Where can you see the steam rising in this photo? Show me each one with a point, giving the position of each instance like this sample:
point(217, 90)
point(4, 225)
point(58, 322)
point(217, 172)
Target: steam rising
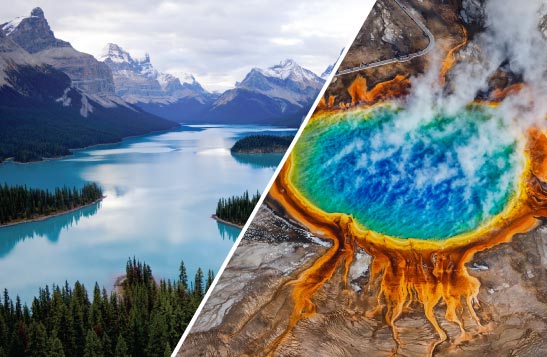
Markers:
point(438, 156)
point(440, 179)
point(513, 39)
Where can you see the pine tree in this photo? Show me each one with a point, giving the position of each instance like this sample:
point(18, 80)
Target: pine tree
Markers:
point(183, 276)
point(157, 335)
point(79, 324)
point(55, 347)
point(66, 331)
point(20, 340)
point(93, 346)
point(20, 202)
point(4, 340)
point(121, 348)
point(210, 278)
point(198, 283)
point(167, 351)
point(144, 318)
point(37, 340)
point(237, 209)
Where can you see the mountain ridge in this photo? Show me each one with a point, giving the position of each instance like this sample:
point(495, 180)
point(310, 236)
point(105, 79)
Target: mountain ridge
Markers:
point(279, 95)
point(55, 98)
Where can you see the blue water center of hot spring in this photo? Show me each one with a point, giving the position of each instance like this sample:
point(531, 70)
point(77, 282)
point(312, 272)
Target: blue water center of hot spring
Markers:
point(404, 176)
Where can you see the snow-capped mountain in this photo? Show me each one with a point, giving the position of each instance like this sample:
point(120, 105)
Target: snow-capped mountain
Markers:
point(281, 94)
point(32, 32)
point(34, 35)
point(176, 97)
point(289, 70)
point(286, 80)
point(53, 98)
point(137, 81)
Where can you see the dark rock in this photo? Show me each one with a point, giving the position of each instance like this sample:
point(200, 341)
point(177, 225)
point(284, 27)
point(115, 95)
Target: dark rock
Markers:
point(38, 12)
point(472, 12)
point(34, 34)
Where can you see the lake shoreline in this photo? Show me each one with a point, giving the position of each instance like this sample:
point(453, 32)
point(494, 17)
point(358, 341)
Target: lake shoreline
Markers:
point(46, 217)
point(216, 218)
point(72, 150)
point(147, 180)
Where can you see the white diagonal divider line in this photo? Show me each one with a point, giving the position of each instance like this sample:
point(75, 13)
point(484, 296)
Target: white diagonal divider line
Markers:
point(274, 177)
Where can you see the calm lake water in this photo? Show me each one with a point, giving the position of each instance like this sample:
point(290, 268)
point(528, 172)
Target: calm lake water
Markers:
point(161, 191)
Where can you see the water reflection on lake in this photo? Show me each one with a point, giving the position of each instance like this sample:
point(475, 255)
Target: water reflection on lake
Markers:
point(161, 191)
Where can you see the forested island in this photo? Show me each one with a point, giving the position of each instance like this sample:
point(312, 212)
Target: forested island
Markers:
point(236, 210)
point(262, 144)
point(20, 203)
point(143, 318)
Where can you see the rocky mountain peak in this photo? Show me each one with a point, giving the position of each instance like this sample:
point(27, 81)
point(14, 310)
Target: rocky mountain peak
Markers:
point(136, 79)
point(32, 32)
point(286, 80)
point(288, 62)
point(114, 55)
point(33, 35)
point(289, 69)
point(38, 12)
point(543, 26)
point(185, 77)
point(112, 49)
point(146, 58)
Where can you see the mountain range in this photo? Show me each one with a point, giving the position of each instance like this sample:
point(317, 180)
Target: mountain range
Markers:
point(54, 98)
point(280, 95)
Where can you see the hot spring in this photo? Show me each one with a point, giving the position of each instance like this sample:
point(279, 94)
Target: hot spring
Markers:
point(409, 177)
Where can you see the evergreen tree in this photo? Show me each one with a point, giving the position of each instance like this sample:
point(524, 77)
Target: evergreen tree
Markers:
point(4, 340)
point(145, 317)
point(183, 276)
point(55, 347)
point(262, 144)
point(237, 209)
point(38, 346)
point(66, 331)
point(121, 348)
point(167, 351)
point(106, 343)
point(78, 315)
point(210, 278)
point(198, 283)
point(20, 340)
point(93, 346)
point(22, 203)
point(157, 335)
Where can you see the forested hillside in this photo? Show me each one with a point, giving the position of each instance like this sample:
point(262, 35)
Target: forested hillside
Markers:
point(144, 318)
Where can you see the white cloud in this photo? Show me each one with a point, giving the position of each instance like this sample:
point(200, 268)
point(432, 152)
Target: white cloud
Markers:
point(217, 41)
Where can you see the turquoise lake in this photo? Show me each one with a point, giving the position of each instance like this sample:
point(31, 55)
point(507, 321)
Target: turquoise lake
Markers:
point(160, 193)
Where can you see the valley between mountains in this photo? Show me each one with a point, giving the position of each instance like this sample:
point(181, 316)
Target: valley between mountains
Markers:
point(54, 98)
